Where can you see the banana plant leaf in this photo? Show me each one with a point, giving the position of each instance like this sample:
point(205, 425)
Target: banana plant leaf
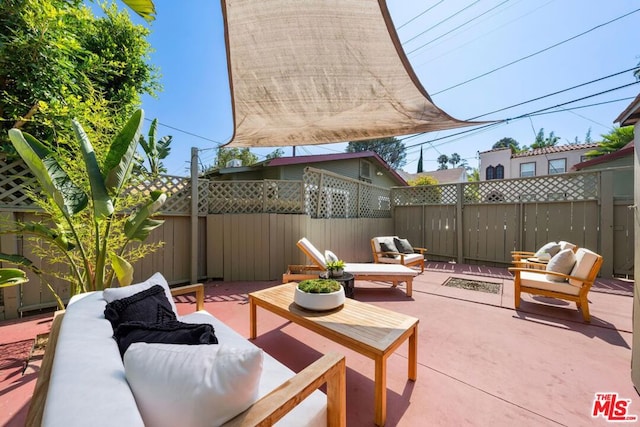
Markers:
point(12, 277)
point(121, 155)
point(145, 8)
point(123, 270)
point(138, 226)
point(102, 204)
point(54, 181)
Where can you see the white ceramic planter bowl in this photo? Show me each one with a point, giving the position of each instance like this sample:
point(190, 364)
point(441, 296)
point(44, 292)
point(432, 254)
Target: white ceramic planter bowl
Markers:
point(319, 302)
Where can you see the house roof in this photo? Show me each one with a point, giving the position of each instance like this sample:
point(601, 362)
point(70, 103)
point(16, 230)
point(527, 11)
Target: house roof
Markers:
point(627, 150)
point(555, 149)
point(443, 176)
point(318, 158)
point(631, 114)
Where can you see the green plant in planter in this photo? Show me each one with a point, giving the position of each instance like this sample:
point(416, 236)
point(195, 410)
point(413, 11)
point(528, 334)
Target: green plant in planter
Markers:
point(319, 286)
point(335, 265)
point(94, 208)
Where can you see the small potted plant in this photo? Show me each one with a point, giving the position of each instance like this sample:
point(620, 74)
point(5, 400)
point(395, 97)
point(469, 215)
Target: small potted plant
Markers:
point(319, 294)
point(336, 268)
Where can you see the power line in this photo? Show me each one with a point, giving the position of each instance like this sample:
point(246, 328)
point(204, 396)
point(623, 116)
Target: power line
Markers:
point(189, 133)
point(536, 53)
point(458, 27)
point(555, 93)
point(420, 14)
point(442, 22)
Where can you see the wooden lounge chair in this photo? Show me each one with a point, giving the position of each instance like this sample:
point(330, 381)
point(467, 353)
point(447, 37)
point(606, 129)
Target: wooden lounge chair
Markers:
point(385, 251)
point(393, 273)
point(574, 286)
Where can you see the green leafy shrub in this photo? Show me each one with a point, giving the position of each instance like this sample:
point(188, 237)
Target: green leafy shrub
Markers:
point(319, 286)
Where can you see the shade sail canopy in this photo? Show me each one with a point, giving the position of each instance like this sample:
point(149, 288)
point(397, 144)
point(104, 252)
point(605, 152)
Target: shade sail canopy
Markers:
point(308, 72)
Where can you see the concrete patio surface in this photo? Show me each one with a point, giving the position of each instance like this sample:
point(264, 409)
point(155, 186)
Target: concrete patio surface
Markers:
point(480, 362)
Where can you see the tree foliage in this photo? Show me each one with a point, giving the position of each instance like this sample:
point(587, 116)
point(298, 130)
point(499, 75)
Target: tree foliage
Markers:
point(423, 180)
point(55, 56)
point(155, 150)
point(507, 142)
point(225, 155)
point(442, 160)
point(612, 141)
point(543, 141)
point(390, 149)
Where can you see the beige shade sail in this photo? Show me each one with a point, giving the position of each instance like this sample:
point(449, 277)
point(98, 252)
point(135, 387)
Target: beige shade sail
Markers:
point(306, 72)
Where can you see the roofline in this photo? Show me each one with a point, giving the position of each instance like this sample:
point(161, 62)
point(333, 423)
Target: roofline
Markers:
point(627, 150)
point(631, 114)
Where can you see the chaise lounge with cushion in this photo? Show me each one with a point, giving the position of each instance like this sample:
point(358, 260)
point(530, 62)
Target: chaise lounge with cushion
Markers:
point(84, 381)
point(393, 273)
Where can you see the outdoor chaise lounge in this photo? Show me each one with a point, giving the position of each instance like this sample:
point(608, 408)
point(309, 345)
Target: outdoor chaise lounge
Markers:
point(393, 250)
point(394, 273)
point(567, 276)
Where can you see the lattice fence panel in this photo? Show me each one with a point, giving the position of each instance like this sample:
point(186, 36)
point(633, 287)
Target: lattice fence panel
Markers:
point(271, 196)
point(283, 196)
point(15, 178)
point(425, 195)
point(178, 190)
point(567, 187)
point(328, 195)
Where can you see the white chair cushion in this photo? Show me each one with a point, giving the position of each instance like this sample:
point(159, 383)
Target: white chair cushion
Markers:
point(566, 245)
point(112, 294)
point(396, 260)
point(584, 262)
point(562, 262)
point(330, 256)
point(550, 248)
point(539, 281)
point(315, 254)
point(366, 269)
point(192, 385)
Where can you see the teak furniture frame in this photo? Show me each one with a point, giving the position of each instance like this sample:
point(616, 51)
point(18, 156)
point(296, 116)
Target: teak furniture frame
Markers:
point(367, 329)
point(378, 254)
point(329, 369)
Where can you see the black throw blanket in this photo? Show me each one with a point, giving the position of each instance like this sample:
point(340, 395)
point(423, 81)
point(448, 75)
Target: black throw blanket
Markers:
point(147, 317)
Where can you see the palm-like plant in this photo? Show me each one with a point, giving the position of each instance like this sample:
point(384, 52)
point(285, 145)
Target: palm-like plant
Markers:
point(155, 150)
point(88, 225)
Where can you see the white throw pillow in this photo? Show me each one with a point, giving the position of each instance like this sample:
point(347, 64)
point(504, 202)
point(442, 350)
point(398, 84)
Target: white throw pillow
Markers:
point(330, 256)
point(192, 385)
point(112, 294)
point(566, 245)
point(550, 248)
point(562, 262)
point(584, 262)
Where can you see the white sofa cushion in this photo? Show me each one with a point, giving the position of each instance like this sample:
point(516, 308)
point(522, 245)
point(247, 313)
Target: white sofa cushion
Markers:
point(539, 281)
point(584, 262)
point(112, 294)
point(330, 256)
point(562, 262)
point(192, 385)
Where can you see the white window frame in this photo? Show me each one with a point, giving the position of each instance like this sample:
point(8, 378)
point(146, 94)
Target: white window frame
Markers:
point(564, 170)
point(528, 163)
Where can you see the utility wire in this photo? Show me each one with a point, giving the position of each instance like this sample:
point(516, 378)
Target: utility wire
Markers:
point(458, 27)
point(555, 93)
point(420, 14)
point(443, 21)
point(536, 53)
point(189, 133)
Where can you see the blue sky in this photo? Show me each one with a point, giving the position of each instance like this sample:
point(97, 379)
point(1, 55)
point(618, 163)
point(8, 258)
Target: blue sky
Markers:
point(189, 50)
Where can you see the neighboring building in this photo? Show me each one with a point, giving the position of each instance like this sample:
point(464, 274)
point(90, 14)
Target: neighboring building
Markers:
point(501, 163)
point(365, 166)
point(443, 176)
point(623, 179)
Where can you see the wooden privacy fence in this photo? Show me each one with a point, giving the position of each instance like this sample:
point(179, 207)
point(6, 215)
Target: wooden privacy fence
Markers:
point(247, 230)
point(482, 222)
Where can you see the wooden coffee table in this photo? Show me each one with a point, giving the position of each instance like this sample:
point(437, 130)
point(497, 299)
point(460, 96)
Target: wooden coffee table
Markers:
point(367, 329)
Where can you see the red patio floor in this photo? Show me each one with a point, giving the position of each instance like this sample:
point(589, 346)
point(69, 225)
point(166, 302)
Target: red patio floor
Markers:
point(480, 362)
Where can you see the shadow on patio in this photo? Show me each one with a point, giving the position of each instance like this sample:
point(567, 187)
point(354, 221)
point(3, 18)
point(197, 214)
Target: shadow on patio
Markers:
point(480, 362)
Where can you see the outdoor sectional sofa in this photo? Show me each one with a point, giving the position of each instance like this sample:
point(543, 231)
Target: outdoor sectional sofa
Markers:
point(83, 380)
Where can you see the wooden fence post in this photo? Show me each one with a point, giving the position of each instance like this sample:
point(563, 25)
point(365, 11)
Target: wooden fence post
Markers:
point(194, 215)
point(606, 222)
point(459, 225)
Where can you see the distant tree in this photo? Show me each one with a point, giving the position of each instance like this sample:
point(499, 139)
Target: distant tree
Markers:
point(225, 155)
point(278, 152)
point(391, 149)
point(454, 159)
point(587, 139)
point(474, 175)
point(542, 141)
point(423, 180)
point(637, 72)
point(155, 151)
point(443, 159)
point(507, 142)
point(612, 141)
